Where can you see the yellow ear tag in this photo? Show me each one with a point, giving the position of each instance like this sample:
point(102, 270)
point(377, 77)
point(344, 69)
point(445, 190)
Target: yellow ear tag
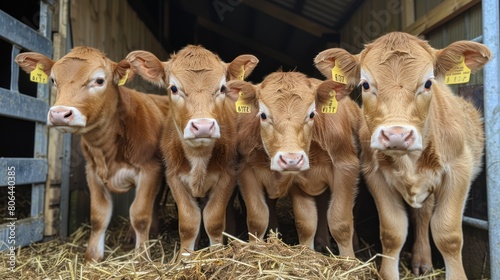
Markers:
point(241, 77)
point(241, 106)
point(338, 75)
point(38, 76)
point(123, 80)
point(331, 106)
point(459, 74)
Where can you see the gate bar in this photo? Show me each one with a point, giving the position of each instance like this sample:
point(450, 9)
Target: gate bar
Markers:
point(491, 29)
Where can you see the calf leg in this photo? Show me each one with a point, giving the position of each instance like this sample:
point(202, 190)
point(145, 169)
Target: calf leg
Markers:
point(141, 210)
point(393, 223)
point(306, 217)
point(340, 211)
point(446, 223)
point(101, 208)
point(188, 212)
point(322, 238)
point(255, 202)
point(214, 213)
point(421, 262)
point(273, 215)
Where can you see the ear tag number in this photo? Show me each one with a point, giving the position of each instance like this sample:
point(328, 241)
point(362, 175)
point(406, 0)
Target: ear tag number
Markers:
point(338, 75)
point(38, 76)
point(241, 106)
point(459, 74)
point(123, 80)
point(331, 106)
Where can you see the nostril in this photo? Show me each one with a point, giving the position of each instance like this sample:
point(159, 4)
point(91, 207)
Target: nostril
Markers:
point(384, 135)
point(410, 136)
point(68, 114)
point(193, 125)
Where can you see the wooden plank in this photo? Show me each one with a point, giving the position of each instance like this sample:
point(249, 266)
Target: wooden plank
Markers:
point(408, 12)
point(237, 37)
point(289, 17)
point(439, 15)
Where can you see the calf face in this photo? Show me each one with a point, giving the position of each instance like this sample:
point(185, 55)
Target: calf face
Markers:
point(287, 106)
point(81, 79)
point(196, 81)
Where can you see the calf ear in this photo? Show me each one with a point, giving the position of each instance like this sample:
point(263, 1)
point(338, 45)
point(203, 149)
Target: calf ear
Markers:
point(241, 67)
point(475, 56)
point(122, 72)
point(349, 64)
point(149, 67)
point(326, 88)
point(248, 91)
point(29, 60)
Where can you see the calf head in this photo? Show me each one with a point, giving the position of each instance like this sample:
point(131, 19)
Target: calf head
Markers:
point(287, 105)
point(196, 82)
point(83, 79)
point(399, 73)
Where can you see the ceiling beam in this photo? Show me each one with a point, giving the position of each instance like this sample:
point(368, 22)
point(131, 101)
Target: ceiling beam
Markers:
point(289, 17)
point(245, 41)
point(441, 14)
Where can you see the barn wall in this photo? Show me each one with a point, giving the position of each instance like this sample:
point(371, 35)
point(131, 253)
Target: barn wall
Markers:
point(370, 21)
point(113, 27)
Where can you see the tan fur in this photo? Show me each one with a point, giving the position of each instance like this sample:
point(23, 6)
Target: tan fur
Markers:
point(449, 160)
point(206, 171)
point(120, 140)
point(329, 143)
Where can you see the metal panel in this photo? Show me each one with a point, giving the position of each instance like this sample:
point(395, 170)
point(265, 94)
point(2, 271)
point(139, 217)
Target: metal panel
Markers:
point(491, 29)
point(23, 36)
point(15, 105)
point(22, 232)
point(20, 106)
point(27, 170)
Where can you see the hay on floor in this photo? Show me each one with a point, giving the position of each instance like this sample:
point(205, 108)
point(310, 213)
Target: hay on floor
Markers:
point(273, 259)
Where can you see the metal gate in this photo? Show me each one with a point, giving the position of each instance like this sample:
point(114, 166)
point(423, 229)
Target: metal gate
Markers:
point(16, 232)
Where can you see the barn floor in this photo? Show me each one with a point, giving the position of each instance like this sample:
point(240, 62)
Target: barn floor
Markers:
point(278, 258)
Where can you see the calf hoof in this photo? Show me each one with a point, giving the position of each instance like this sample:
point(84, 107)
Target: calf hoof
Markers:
point(418, 268)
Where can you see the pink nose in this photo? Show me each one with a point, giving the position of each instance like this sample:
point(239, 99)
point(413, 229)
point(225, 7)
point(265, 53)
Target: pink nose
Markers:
point(291, 161)
point(203, 128)
point(60, 116)
point(397, 138)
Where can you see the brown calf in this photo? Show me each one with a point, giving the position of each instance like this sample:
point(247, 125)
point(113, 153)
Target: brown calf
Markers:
point(289, 146)
point(420, 143)
point(199, 140)
point(120, 130)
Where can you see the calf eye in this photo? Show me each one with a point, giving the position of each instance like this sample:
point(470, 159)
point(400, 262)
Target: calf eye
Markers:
point(263, 116)
point(366, 86)
point(311, 115)
point(223, 88)
point(428, 84)
point(173, 89)
point(99, 81)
